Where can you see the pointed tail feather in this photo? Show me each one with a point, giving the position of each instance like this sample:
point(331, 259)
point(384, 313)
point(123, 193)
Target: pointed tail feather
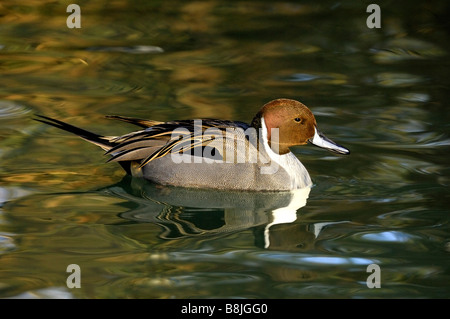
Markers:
point(99, 140)
point(139, 122)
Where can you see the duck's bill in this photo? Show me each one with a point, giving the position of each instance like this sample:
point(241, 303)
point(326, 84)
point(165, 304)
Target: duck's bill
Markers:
point(322, 141)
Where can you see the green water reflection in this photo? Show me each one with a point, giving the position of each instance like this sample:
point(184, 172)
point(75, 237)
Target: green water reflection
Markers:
point(383, 93)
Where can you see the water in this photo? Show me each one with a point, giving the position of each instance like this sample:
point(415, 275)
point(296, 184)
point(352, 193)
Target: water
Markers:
point(383, 93)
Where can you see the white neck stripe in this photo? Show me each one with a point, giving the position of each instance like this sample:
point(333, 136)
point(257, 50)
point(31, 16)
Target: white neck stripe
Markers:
point(289, 162)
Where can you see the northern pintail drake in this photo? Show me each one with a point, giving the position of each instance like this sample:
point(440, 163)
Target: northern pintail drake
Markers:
point(220, 154)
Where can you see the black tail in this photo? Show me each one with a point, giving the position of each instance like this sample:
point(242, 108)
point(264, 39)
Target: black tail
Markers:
point(94, 138)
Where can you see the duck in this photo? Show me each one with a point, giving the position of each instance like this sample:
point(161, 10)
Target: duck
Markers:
point(214, 153)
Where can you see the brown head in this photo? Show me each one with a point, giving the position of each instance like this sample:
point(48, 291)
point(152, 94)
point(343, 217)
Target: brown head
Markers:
point(291, 123)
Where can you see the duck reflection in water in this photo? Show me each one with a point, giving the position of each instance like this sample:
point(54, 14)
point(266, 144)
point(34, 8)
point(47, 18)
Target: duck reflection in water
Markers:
point(185, 212)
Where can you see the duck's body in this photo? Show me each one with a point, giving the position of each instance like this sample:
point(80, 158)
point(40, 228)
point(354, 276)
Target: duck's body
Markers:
point(217, 153)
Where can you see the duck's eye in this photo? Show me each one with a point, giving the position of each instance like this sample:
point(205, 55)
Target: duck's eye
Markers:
point(297, 119)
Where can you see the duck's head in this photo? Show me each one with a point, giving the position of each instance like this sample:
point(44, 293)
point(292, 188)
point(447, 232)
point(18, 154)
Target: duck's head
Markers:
point(289, 123)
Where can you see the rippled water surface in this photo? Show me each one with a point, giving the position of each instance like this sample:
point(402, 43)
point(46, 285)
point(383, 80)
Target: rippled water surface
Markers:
point(383, 93)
